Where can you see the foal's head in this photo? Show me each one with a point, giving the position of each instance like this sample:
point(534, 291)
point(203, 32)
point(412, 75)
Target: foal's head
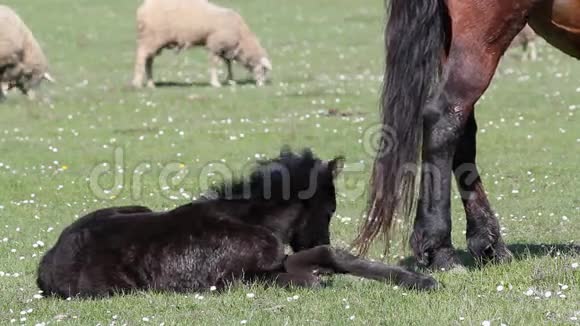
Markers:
point(305, 181)
point(300, 190)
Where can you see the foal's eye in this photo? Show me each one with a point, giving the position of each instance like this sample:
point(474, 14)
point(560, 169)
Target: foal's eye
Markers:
point(332, 211)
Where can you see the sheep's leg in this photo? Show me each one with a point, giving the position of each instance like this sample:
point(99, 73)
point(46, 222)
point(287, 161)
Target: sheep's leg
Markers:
point(149, 71)
point(140, 62)
point(230, 71)
point(533, 51)
point(3, 90)
point(259, 76)
point(526, 47)
point(29, 93)
point(214, 61)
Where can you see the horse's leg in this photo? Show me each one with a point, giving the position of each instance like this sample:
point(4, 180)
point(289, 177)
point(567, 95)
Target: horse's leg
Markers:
point(474, 52)
point(325, 259)
point(483, 232)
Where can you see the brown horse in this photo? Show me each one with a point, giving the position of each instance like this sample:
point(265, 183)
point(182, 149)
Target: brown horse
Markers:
point(441, 57)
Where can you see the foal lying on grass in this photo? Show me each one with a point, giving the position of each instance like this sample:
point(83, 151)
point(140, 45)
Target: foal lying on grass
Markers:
point(238, 235)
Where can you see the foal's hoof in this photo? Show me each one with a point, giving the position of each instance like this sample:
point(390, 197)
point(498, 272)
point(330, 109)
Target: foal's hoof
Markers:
point(427, 284)
point(484, 250)
point(420, 282)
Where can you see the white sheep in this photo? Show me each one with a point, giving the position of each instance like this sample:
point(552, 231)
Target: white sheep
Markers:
point(22, 62)
point(526, 39)
point(181, 24)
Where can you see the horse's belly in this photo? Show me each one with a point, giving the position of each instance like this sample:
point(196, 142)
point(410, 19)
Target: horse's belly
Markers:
point(558, 22)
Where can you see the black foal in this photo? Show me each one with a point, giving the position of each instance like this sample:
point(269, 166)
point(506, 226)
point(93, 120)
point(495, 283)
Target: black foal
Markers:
point(240, 234)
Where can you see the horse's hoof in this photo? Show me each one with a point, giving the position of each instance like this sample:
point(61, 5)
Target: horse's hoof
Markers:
point(487, 250)
point(498, 254)
point(444, 259)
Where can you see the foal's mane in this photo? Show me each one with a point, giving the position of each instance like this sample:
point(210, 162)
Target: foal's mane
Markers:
point(287, 177)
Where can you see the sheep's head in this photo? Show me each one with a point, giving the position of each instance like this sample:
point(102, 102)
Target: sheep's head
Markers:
point(31, 79)
point(26, 79)
point(261, 71)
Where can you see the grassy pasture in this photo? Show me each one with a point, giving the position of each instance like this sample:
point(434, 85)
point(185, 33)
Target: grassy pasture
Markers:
point(327, 58)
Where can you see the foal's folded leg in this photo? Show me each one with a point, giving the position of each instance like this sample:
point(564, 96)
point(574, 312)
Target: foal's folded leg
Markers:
point(326, 258)
point(282, 278)
point(304, 279)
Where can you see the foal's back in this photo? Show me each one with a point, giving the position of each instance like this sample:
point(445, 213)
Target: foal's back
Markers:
point(125, 248)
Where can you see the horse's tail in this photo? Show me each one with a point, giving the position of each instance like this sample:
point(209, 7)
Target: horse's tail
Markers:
point(416, 37)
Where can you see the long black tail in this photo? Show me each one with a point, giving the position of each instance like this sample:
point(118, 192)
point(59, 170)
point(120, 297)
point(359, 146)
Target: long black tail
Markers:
point(415, 38)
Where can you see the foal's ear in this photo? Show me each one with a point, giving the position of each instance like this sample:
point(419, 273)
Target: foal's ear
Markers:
point(285, 150)
point(336, 166)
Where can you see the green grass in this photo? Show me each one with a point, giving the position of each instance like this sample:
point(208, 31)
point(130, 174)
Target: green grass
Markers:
point(327, 54)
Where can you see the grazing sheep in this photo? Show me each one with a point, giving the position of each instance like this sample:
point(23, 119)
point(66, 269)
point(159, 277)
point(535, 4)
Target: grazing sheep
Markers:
point(22, 62)
point(526, 40)
point(181, 24)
